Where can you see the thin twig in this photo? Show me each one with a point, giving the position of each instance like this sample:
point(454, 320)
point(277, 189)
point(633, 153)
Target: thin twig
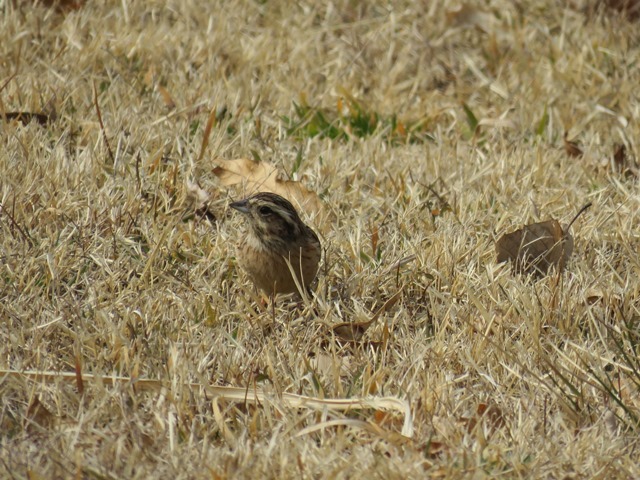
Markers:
point(138, 181)
point(24, 234)
point(7, 81)
point(580, 212)
point(104, 134)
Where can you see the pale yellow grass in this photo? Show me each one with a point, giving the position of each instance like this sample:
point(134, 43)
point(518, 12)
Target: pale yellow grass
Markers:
point(105, 268)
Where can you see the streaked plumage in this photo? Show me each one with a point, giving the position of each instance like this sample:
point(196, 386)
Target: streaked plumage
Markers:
point(276, 235)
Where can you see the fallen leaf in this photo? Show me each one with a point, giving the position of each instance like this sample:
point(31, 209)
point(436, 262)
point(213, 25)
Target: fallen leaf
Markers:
point(620, 157)
point(383, 418)
point(621, 162)
point(435, 449)
point(492, 414)
point(594, 296)
point(38, 414)
point(26, 117)
point(263, 176)
point(353, 331)
point(536, 247)
point(629, 8)
point(61, 5)
point(572, 148)
point(487, 414)
point(205, 212)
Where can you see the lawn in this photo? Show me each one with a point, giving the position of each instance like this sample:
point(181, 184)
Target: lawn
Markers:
point(133, 345)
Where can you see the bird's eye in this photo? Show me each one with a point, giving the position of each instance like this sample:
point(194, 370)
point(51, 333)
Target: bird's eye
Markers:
point(265, 211)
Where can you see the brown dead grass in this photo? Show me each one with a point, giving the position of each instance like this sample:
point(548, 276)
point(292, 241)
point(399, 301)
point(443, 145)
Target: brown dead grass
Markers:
point(105, 269)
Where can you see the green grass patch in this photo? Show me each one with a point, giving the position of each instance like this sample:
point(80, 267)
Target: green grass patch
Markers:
point(352, 120)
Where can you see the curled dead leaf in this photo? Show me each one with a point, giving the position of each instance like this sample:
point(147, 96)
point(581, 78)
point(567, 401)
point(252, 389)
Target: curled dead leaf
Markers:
point(622, 163)
point(628, 8)
point(351, 331)
point(26, 117)
point(62, 6)
point(435, 449)
point(264, 177)
point(354, 331)
point(572, 148)
point(594, 296)
point(489, 415)
point(620, 157)
point(39, 416)
point(537, 247)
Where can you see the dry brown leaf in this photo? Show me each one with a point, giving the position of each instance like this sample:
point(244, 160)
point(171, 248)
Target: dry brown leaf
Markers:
point(353, 331)
point(572, 148)
point(629, 8)
point(39, 415)
point(492, 414)
point(620, 157)
point(435, 449)
point(489, 415)
point(26, 117)
point(264, 177)
point(622, 163)
point(62, 6)
point(536, 247)
point(205, 212)
point(594, 296)
point(386, 419)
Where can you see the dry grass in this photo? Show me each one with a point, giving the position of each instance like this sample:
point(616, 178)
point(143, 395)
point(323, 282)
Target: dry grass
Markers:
point(104, 268)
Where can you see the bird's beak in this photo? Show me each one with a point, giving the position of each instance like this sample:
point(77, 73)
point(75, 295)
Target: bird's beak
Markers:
point(241, 206)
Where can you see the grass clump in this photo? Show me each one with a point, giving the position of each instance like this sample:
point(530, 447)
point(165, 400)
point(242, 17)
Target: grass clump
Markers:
point(134, 347)
point(349, 121)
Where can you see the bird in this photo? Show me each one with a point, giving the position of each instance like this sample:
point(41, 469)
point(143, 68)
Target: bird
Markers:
point(276, 244)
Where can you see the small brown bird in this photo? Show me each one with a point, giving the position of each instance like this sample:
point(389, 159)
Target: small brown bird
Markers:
point(276, 238)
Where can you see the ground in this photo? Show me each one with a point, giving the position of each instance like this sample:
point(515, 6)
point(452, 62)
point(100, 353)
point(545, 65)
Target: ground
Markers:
point(427, 130)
